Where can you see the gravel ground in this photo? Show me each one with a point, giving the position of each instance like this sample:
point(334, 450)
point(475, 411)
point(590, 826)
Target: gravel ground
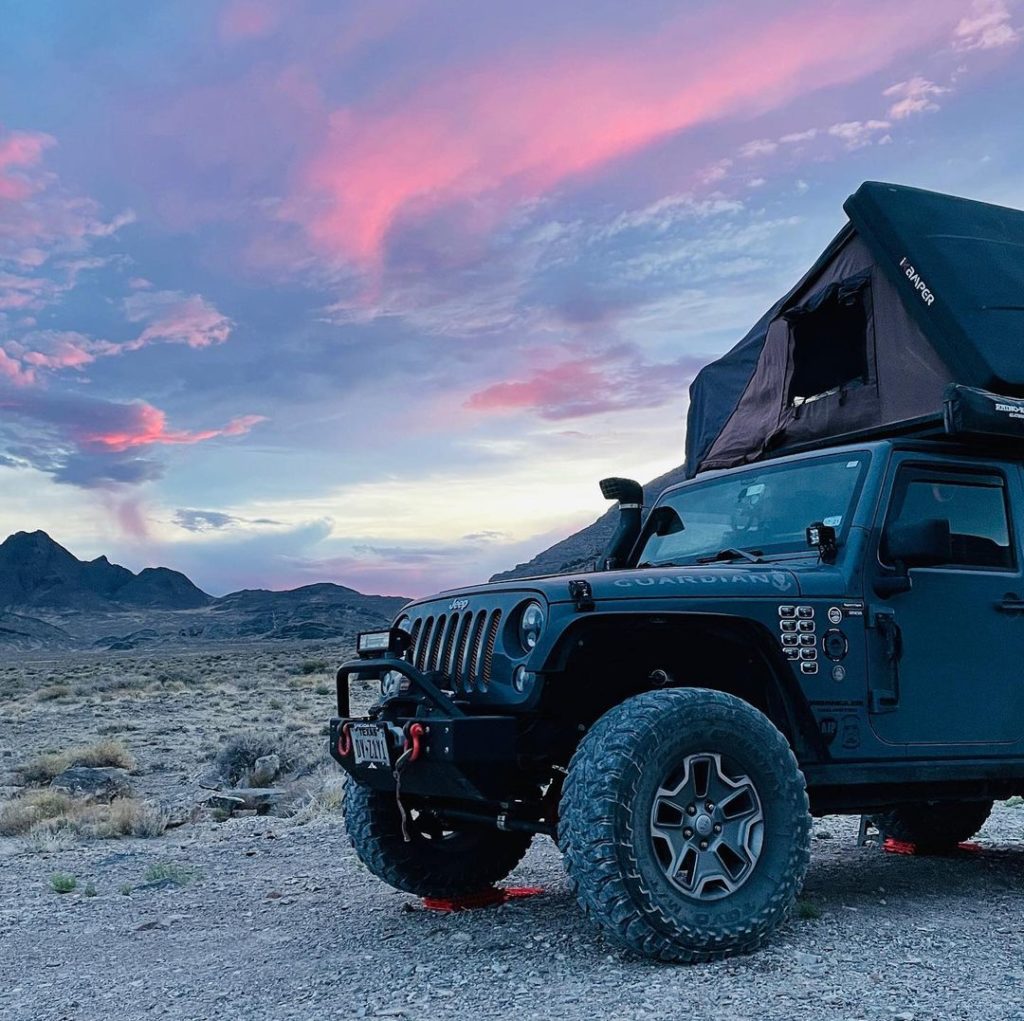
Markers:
point(279, 920)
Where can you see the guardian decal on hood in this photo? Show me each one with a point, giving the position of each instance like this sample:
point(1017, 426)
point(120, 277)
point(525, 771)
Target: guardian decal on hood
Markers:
point(777, 580)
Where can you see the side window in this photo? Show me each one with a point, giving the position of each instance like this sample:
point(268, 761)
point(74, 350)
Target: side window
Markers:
point(974, 507)
point(829, 338)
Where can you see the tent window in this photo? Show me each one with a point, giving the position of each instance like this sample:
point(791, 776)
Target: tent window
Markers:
point(829, 336)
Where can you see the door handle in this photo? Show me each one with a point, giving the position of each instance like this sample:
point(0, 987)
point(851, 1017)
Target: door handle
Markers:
point(1011, 603)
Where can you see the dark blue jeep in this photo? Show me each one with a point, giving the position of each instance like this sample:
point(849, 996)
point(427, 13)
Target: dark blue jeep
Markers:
point(827, 617)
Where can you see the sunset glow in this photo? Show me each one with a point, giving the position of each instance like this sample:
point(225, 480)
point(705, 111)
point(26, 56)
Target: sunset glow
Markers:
point(374, 293)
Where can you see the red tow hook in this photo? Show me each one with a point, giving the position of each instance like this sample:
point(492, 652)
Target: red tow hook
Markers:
point(344, 741)
point(413, 736)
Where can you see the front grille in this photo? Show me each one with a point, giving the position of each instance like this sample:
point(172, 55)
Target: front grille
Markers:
point(458, 645)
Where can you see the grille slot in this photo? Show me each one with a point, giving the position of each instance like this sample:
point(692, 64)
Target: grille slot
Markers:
point(476, 637)
point(435, 643)
point(458, 653)
point(488, 653)
point(445, 658)
point(421, 649)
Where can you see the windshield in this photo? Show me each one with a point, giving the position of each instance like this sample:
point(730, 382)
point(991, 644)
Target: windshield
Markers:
point(760, 511)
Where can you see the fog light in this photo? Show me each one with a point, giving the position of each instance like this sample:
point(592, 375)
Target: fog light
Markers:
point(522, 679)
point(393, 683)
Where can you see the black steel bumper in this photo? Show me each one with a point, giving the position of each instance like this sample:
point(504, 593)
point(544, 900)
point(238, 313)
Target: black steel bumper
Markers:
point(459, 756)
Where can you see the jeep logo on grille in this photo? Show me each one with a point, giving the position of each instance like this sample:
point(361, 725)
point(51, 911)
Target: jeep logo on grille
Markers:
point(458, 604)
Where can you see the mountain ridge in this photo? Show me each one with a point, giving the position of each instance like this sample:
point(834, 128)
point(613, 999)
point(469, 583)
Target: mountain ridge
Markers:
point(51, 600)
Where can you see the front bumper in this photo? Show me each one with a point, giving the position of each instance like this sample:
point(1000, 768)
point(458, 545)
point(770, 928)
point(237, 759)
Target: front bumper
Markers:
point(459, 756)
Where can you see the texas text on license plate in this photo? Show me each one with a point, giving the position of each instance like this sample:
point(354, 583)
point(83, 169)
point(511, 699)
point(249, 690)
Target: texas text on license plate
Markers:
point(370, 744)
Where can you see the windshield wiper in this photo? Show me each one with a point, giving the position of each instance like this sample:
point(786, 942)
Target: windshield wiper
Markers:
point(732, 553)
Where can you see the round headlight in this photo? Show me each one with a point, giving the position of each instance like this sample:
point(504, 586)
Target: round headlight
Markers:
point(531, 624)
point(404, 623)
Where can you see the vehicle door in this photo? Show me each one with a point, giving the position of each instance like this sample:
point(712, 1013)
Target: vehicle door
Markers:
point(952, 644)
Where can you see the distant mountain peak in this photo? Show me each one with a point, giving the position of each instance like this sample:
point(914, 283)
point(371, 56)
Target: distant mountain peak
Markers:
point(36, 571)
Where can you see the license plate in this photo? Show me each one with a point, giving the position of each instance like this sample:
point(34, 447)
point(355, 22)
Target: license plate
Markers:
point(370, 744)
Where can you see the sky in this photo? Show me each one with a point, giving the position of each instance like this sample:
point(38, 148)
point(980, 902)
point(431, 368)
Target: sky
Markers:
point(375, 292)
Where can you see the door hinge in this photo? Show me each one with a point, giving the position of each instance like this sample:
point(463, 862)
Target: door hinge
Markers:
point(884, 698)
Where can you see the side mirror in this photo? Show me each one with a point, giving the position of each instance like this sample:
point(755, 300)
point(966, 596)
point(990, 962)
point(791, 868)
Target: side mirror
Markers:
point(665, 520)
point(921, 544)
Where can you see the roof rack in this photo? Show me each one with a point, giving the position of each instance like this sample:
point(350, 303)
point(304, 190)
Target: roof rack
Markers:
point(969, 418)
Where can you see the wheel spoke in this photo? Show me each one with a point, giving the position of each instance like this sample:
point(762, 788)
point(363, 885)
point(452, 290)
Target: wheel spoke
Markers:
point(741, 803)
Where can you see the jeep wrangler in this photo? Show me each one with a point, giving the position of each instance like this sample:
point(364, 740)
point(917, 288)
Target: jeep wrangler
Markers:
point(832, 630)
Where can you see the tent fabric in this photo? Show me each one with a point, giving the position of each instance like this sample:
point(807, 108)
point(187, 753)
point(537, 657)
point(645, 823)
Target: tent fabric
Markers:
point(919, 290)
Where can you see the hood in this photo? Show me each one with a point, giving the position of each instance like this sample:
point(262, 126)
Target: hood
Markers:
point(703, 579)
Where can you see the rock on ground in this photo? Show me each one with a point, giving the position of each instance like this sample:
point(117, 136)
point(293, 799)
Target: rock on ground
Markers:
point(93, 783)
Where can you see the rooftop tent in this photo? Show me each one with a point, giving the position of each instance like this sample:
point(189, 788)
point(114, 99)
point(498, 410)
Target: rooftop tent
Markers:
point(919, 290)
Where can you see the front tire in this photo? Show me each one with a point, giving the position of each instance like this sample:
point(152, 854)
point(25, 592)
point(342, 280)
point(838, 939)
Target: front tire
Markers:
point(934, 827)
point(436, 862)
point(685, 826)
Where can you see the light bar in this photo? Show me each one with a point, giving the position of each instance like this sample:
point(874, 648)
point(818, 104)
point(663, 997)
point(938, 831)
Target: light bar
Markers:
point(392, 642)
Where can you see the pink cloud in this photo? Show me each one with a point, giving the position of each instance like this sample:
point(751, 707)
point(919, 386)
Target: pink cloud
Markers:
point(987, 27)
point(519, 126)
point(143, 425)
point(916, 95)
point(59, 350)
point(20, 150)
point(616, 380)
point(13, 370)
point(172, 317)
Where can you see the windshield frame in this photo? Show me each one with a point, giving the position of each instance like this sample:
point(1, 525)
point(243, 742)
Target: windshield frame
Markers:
point(760, 467)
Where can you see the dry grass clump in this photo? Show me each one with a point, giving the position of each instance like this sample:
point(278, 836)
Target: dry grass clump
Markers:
point(324, 798)
point(23, 814)
point(237, 758)
point(107, 752)
point(39, 813)
point(53, 691)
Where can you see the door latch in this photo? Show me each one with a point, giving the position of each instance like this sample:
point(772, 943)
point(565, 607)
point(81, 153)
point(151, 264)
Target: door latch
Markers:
point(884, 698)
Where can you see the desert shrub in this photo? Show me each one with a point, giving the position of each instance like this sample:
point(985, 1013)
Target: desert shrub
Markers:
point(124, 817)
point(102, 753)
point(313, 666)
point(53, 691)
point(38, 814)
point(324, 798)
point(169, 871)
point(62, 882)
point(21, 815)
point(239, 755)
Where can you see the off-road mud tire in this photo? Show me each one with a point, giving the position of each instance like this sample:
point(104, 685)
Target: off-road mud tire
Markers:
point(934, 827)
point(470, 861)
point(605, 832)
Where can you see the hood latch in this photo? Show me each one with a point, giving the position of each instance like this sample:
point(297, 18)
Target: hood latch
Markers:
point(582, 595)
